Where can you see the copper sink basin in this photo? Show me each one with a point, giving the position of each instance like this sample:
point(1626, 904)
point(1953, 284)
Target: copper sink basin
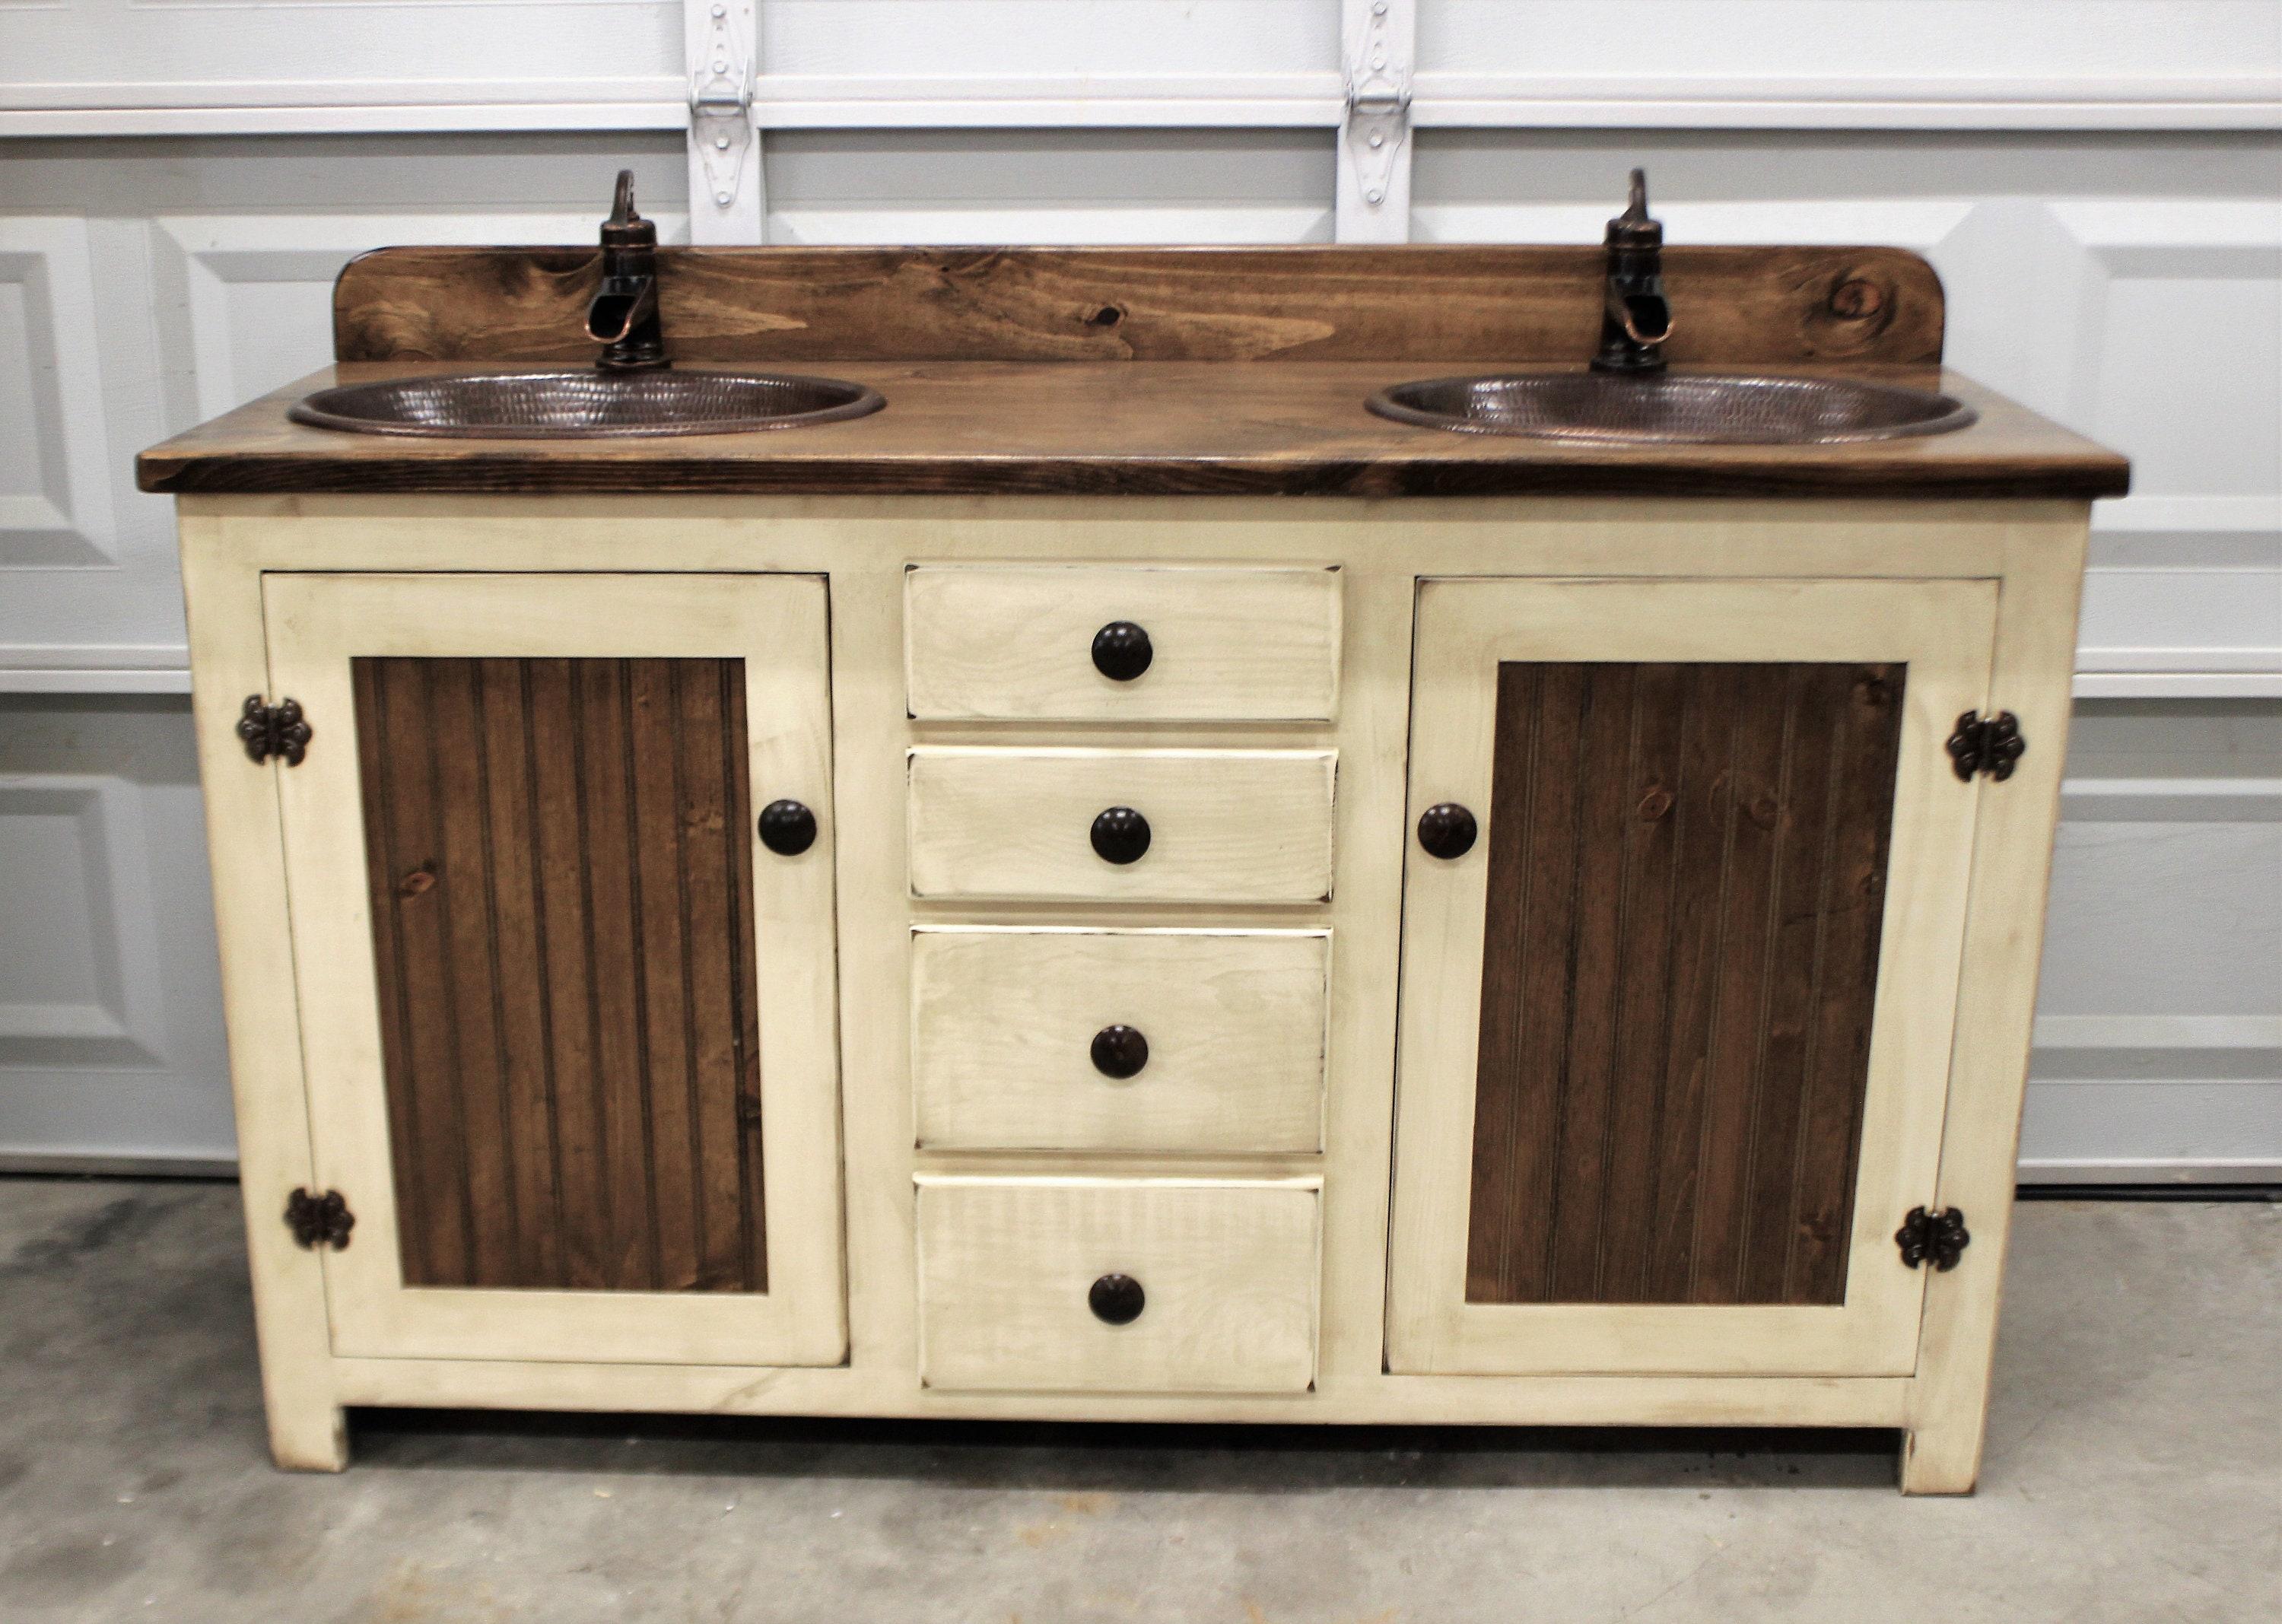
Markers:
point(585, 405)
point(1674, 409)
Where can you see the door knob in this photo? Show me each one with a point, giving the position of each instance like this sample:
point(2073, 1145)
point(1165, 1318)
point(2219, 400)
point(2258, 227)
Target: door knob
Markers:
point(1121, 651)
point(1116, 1299)
point(1121, 835)
point(787, 829)
point(1120, 1052)
point(1447, 830)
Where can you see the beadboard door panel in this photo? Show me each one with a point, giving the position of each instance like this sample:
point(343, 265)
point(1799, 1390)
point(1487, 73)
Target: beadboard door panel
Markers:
point(560, 879)
point(1676, 989)
point(568, 1030)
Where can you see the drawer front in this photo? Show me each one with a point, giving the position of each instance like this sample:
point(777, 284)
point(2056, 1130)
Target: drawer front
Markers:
point(1223, 644)
point(1227, 1028)
point(1221, 826)
point(1227, 1271)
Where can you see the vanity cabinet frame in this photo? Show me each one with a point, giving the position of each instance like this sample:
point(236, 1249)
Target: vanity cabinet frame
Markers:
point(2030, 552)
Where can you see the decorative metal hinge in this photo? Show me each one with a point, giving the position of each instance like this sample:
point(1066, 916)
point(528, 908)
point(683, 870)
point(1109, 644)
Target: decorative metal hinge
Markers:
point(274, 730)
point(1939, 1236)
point(320, 1220)
point(1986, 744)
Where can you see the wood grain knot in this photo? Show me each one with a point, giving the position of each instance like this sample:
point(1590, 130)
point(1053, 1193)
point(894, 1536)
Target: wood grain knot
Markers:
point(1873, 693)
point(1764, 811)
point(419, 882)
point(1654, 803)
point(1857, 299)
point(1108, 315)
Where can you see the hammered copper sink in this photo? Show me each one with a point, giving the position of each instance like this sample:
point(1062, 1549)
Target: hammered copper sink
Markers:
point(585, 405)
point(1670, 409)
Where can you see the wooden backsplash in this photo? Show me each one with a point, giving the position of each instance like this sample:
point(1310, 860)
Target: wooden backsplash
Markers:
point(1442, 303)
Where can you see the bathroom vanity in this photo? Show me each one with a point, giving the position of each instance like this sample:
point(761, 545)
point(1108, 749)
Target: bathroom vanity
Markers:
point(1123, 885)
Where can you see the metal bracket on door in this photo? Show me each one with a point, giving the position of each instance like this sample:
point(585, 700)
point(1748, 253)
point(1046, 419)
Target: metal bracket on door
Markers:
point(1936, 1238)
point(320, 1220)
point(1989, 744)
point(268, 730)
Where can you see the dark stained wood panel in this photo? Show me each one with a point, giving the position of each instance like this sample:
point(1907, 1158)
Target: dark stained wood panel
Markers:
point(1687, 884)
point(1423, 303)
point(561, 882)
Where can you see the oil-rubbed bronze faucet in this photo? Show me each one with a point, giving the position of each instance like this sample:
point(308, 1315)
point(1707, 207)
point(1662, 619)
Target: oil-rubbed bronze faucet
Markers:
point(623, 317)
point(1634, 318)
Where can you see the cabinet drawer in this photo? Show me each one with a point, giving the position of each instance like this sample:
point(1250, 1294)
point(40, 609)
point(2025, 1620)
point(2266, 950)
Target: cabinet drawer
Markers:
point(1219, 825)
point(1227, 1027)
point(1223, 644)
point(1226, 1269)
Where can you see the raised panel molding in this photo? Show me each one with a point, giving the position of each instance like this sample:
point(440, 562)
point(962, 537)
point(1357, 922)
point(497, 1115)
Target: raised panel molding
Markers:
point(2174, 312)
point(55, 488)
point(111, 1045)
point(2159, 1055)
point(81, 986)
point(216, 271)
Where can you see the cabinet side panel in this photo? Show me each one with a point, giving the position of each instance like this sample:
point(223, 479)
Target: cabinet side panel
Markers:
point(1687, 868)
point(561, 890)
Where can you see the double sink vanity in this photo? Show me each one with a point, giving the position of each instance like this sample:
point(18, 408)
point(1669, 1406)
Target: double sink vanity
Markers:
point(1094, 834)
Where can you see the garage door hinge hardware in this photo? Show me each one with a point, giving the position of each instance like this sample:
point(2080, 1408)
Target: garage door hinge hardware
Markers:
point(721, 102)
point(1378, 103)
point(1939, 1236)
point(1987, 745)
point(320, 1220)
point(274, 730)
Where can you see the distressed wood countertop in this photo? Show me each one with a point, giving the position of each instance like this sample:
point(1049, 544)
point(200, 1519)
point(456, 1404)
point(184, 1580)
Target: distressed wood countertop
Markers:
point(1150, 428)
point(1138, 371)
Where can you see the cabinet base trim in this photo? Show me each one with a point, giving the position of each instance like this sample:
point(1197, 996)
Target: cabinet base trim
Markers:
point(1484, 1401)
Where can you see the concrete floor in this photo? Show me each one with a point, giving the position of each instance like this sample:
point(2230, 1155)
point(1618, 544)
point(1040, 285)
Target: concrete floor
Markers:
point(2134, 1473)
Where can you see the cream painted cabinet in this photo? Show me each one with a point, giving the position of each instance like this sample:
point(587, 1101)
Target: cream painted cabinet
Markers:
point(567, 1020)
point(1683, 912)
point(1218, 960)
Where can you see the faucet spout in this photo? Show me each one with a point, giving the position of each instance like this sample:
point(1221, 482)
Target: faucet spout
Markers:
point(1635, 316)
point(1646, 318)
point(622, 315)
point(620, 306)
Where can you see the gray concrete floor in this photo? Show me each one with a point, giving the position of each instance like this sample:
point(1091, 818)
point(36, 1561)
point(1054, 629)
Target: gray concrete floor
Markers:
point(2134, 1474)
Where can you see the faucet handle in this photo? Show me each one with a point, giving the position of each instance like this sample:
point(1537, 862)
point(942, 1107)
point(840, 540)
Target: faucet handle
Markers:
point(625, 228)
point(1634, 228)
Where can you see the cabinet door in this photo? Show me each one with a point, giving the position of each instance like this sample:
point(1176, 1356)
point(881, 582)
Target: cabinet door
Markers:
point(567, 1025)
point(1675, 1029)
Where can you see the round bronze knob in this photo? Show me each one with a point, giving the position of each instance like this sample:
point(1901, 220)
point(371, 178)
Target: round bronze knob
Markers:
point(1121, 651)
point(1121, 835)
point(1116, 1299)
point(787, 829)
point(1120, 1052)
point(1447, 830)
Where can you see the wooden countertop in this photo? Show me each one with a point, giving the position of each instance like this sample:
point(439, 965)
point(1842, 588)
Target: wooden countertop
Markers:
point(1262, 427)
